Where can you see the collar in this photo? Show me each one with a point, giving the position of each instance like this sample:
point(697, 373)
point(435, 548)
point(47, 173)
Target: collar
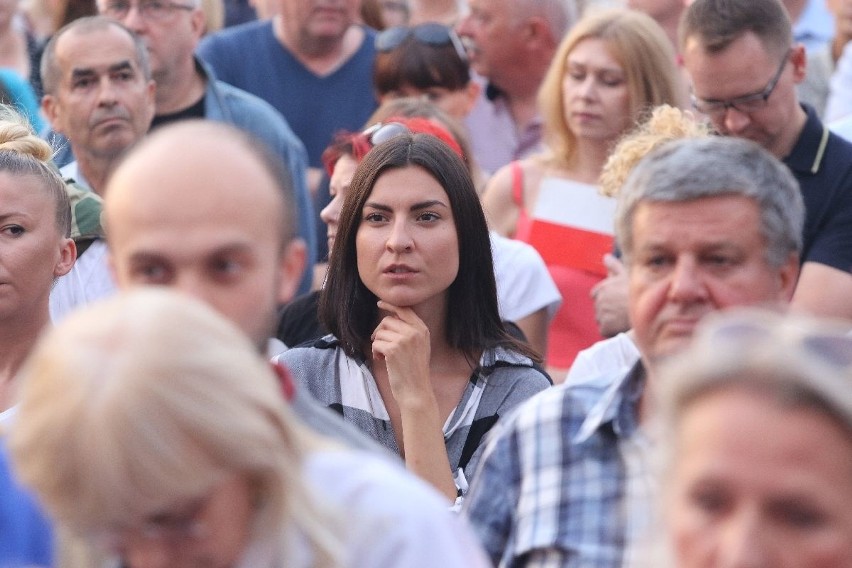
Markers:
point(809, 150)
point(617, 405)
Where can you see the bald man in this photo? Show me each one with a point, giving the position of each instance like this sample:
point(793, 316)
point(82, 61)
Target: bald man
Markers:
point(200, 207)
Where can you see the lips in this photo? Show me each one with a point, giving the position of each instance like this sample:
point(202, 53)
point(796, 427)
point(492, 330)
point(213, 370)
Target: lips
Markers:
point(398, 269)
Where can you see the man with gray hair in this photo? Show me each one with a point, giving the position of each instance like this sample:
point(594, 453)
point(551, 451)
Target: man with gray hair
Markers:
point(511, 44)
point(704, 224)
point(98, 93)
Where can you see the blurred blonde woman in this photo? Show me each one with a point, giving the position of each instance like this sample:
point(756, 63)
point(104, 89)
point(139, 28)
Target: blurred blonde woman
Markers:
point(759, 434)
point(610, 68)
point(155, 435)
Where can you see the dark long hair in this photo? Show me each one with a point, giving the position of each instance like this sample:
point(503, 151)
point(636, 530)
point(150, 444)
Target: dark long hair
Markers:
point(348, 309)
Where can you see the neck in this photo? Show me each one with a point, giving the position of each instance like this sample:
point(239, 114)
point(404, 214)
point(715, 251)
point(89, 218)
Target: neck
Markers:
point(177, 91)
point(589, 159)
point(791, 135)
point(838, 43)
point(16, 342)
point(670, 25)
point(521, 92)
point(443, 11)
point(320, 56)
point(94, 169)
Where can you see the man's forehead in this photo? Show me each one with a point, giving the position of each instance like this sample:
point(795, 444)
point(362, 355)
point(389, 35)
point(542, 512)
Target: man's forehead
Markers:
point(85, 49)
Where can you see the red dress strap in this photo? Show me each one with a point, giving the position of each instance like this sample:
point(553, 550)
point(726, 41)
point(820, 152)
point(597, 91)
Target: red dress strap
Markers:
point(517, 183)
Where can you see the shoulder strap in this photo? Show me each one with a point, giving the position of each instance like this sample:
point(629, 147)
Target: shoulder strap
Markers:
point(517, 183)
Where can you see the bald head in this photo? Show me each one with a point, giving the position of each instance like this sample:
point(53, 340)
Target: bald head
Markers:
point(201, 207)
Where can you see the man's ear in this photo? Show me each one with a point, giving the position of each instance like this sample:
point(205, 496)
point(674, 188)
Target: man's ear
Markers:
point(291, 267)
point(52, 112)
point(800, 62)
point(199, 23)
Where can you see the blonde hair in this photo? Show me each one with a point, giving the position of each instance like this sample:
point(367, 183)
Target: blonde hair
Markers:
point(794, 360)
point(23, 153)
point(665, 123)
point(638, 44)
point(104, 391)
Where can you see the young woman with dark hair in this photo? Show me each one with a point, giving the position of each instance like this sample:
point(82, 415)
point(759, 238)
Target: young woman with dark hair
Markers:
point(418, 357)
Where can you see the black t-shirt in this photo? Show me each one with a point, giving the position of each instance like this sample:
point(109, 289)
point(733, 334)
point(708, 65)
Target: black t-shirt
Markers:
point(195, 110)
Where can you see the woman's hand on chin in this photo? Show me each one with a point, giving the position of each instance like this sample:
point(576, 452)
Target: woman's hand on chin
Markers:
point(401, 340)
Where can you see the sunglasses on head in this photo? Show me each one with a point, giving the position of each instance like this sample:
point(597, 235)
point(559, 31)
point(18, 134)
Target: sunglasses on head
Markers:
point(430, 33)
point(382, 132)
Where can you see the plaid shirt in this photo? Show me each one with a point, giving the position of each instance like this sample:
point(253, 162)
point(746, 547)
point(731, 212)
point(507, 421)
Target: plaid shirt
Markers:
point(558, 483)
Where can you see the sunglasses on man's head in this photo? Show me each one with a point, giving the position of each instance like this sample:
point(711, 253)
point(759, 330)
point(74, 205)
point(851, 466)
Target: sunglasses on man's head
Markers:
point(430, 33)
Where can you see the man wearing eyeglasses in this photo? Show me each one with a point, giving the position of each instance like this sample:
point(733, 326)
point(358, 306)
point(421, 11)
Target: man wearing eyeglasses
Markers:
point(744, 69)
point(187, 88)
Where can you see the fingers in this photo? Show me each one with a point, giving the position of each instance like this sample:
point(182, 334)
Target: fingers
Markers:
point(613, 265)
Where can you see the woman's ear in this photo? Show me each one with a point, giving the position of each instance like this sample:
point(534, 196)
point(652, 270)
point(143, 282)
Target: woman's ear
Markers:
point(66, 259)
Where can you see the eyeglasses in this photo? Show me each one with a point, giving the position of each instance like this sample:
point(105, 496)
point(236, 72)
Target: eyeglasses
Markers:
point(430, 33)
point(382, 132)
point(154, 10)
point(746, 103)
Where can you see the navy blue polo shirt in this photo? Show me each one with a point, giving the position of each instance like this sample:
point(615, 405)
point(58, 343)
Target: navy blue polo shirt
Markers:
point(822, 164)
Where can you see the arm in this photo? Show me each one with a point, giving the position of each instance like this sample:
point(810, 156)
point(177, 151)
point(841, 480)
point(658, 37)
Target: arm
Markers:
point(401, 340)
point(498, 204)
point(823, 291)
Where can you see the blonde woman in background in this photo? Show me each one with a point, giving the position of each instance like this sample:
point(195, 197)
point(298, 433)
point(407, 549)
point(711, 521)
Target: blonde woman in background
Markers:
point(759, 440)
point(155, 435)
point(611, 67)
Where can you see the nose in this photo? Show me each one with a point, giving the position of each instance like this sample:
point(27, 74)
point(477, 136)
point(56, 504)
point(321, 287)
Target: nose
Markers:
point(107, 95)
point(588, 88)
point(687, 284)
point(735, 121)
point(463, 28)
point(330, 214)
point(144, 552)
point(742, 543)
point(195, 285)
point(399, 238)
point(133, 19)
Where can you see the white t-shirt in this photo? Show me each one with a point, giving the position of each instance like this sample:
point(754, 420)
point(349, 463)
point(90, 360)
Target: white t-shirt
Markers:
point(391, 519)
point(88, 280)
point(524, 284)
point(605, 358)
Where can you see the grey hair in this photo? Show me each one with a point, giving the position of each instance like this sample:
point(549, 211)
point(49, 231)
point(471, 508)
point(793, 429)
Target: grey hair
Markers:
point(689, 169)
point(560, 14)
point(795, 360)
point(49, 69)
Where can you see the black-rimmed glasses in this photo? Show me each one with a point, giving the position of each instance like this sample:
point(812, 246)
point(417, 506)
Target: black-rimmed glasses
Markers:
point(746, 103)
point(430, 33)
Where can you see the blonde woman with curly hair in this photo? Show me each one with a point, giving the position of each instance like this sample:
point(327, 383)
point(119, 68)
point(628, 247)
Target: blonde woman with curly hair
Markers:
point(154, 434)
point(611, 67)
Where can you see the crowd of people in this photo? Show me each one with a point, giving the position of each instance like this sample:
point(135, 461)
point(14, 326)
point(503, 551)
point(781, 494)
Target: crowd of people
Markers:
point(426, 283)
